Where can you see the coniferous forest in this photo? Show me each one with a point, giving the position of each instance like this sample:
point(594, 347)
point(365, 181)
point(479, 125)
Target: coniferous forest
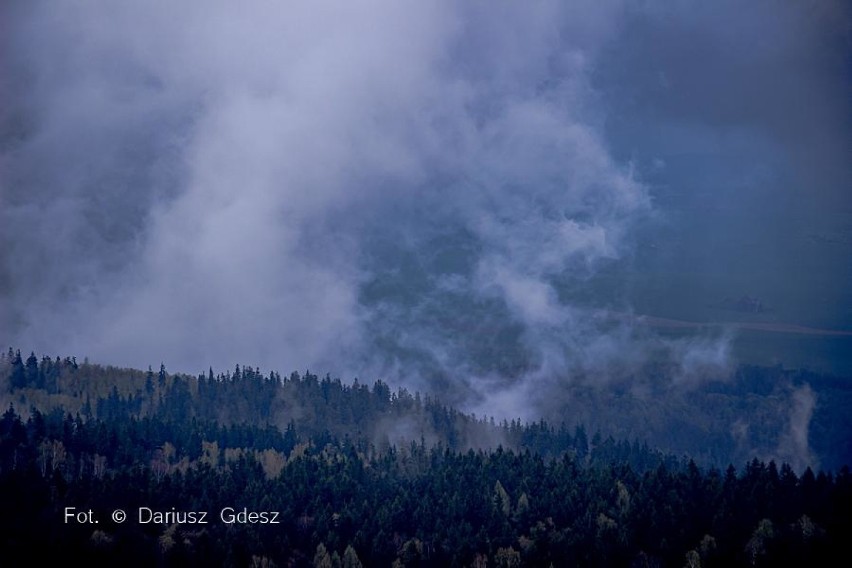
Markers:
point(251, 469)
point(454, 283)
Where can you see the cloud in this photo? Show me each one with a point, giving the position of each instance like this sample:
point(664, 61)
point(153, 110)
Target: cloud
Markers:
point(380, 188)
point(794, 447)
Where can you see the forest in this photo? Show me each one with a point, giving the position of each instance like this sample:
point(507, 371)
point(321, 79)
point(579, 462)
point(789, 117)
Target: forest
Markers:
point(440, 284)
point(249, 469)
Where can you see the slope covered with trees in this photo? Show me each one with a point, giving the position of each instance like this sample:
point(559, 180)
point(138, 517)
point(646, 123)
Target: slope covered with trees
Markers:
point(765, 412)
point(349, 475)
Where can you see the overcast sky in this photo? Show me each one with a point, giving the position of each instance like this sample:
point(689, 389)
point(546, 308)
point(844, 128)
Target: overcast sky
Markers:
point(403, 188)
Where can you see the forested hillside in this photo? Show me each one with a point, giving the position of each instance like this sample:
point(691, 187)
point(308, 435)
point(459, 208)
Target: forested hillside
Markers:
point(244, 469)
point(765, 412)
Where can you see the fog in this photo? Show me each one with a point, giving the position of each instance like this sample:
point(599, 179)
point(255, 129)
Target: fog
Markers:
point(465, 198)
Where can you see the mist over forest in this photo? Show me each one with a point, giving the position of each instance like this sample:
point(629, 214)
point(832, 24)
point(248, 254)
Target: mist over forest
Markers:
point(493, 202)
point(435, 283)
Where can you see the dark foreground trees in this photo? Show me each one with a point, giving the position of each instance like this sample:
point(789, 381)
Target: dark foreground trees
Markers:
point(244, 469)
point(269, 501)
